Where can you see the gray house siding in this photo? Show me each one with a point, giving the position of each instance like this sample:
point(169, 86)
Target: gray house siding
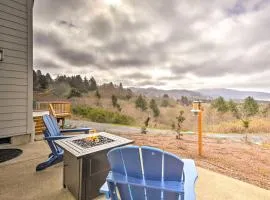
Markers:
point(16, 68)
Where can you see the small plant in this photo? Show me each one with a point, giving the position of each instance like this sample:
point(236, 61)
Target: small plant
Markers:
point(146, 123)
point(180, 119)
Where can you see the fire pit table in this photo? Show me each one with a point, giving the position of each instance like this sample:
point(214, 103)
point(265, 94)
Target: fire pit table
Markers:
point(85, 162)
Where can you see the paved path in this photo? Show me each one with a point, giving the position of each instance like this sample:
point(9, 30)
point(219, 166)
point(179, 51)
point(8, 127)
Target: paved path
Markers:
point(19, 180)
point(112, 128)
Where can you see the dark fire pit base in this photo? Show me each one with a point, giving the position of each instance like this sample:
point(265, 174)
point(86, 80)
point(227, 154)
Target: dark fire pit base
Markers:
point(84, 176)
point(85, 165)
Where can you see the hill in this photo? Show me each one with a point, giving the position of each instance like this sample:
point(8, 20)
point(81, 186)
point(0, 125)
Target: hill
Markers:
point(234, 94)
point(176, 94)
point(203, 93)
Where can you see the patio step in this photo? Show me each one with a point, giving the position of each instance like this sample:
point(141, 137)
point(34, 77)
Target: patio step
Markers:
point(39, 125)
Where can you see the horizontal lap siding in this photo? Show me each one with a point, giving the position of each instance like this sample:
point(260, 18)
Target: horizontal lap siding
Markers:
point(14, 68)
point(13, 102)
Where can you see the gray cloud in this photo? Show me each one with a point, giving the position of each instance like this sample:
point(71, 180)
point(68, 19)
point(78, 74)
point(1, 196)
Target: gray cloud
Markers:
point(210, 39)
point(75, 57)
point(136, 76)
point(45, 63)
point(101, 27)
point(127, 62)
point(149, 83)
point(46, 39)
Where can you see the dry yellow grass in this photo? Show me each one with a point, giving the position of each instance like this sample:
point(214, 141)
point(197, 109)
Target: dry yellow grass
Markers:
point(212, 120)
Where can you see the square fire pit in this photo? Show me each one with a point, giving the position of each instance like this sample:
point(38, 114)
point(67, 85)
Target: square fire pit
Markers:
point(85, 162)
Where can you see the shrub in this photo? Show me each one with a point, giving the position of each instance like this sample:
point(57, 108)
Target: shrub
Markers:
point(102, 115)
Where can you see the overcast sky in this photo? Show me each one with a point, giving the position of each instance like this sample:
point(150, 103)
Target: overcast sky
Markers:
point(168, 44)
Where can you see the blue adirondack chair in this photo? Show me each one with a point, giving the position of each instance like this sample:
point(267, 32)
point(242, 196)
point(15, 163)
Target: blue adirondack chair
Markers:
point(139, 173)
point(51, 134)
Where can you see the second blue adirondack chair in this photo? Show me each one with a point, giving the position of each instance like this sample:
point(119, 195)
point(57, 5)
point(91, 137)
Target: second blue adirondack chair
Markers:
point(51, 134)
point(146, 173)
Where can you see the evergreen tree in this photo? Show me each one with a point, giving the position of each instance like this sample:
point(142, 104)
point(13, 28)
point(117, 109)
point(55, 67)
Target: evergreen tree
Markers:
point(43, 82)
point(185, 101)
point(114, 101)
point(39, 73)
point(93, 84)
point(154, 107)
point(98, 94)
point(220, 104)
point(35, 81)
point(250, 107)
point(49, 78)
point(121, 86)
point(129, 94)
point(141, 103)
point(86, 84)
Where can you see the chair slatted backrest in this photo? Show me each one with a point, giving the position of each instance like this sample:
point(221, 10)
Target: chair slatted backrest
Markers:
point(52, 129)
point(145, 166)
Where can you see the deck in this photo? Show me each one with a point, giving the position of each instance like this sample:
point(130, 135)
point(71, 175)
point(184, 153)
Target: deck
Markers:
point(59, 109)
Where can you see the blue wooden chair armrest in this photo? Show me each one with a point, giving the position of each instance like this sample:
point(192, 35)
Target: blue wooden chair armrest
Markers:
point(164, 185)
point(86, 130)
point(191, 176)
point(52, 138)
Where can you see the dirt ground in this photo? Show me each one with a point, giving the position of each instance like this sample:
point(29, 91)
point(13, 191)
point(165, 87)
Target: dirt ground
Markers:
point(240, 160)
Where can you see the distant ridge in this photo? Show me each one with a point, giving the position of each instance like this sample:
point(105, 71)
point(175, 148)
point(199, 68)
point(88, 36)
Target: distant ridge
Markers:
point(203, 93)
point(234, 94)
point(154, 92)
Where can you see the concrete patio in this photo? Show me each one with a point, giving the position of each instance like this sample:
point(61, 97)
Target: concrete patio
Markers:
point(19, 180)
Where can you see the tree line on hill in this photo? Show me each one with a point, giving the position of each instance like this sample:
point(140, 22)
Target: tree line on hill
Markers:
point(77, 84)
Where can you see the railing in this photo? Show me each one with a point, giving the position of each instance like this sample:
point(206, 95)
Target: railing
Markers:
point(59, 109)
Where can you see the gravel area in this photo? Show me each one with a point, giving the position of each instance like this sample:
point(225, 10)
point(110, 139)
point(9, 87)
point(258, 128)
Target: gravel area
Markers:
point(243, 161)
point(228, 154)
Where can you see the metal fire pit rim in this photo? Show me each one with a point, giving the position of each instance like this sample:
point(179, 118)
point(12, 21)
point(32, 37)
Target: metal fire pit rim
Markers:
point(79, 152)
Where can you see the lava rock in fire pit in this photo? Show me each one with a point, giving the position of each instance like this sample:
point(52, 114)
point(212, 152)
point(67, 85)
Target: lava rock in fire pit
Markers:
point(92, 141)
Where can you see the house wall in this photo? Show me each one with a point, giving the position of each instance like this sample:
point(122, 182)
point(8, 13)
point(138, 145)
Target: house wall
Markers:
point(16, 69)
